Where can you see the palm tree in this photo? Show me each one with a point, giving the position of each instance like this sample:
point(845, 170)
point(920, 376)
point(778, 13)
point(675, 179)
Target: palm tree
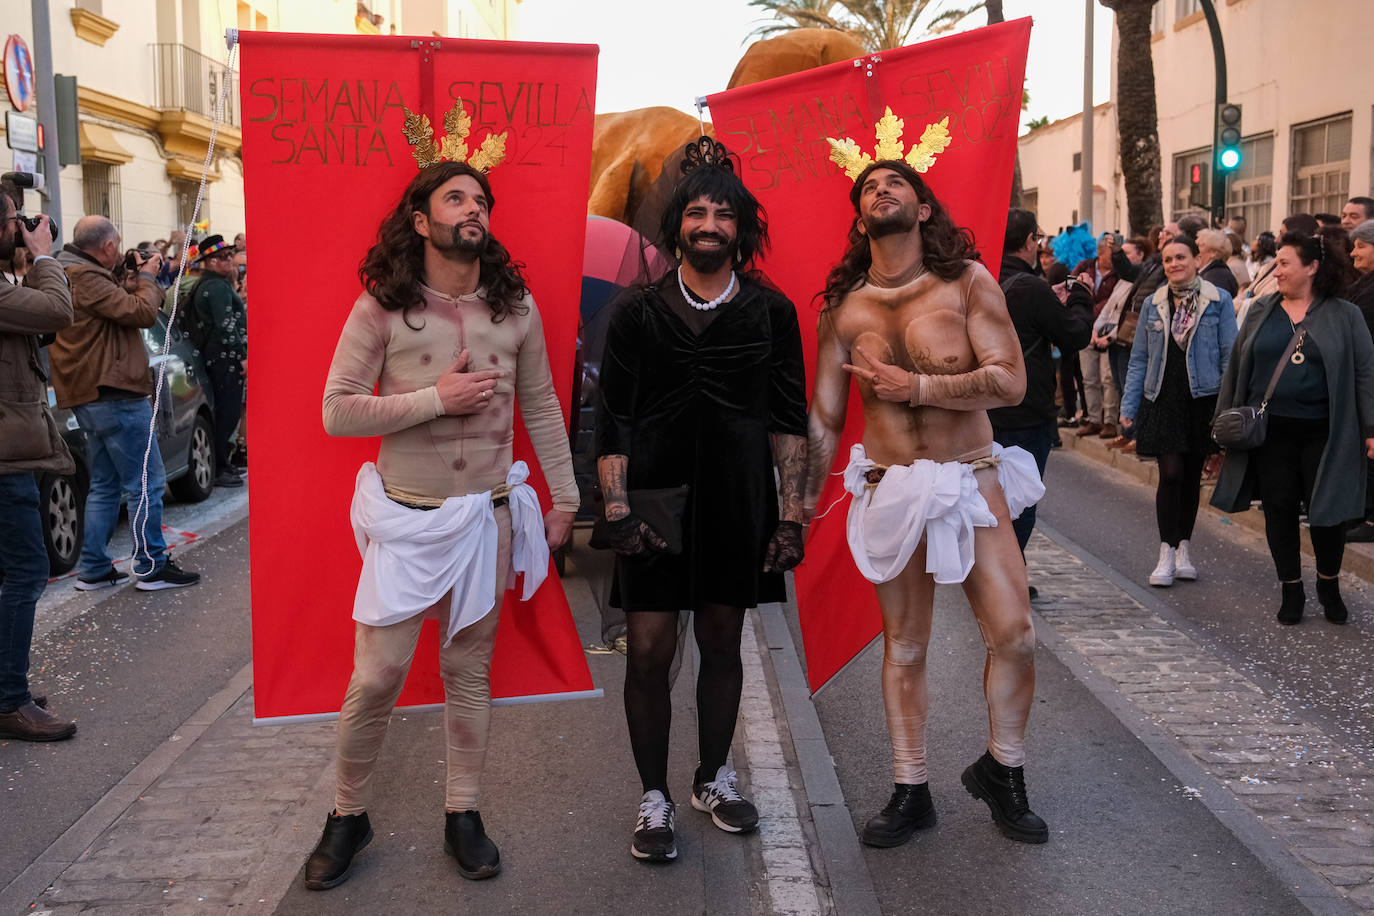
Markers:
point(879, 24)
point(1136, 114)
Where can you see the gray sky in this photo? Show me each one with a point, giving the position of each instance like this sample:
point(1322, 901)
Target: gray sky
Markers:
point(684, 50)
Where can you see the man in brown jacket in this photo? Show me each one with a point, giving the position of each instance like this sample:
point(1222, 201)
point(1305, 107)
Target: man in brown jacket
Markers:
point(100, 370)
point(29, 442)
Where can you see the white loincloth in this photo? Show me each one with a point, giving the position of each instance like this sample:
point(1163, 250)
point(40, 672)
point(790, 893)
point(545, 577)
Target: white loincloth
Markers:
point(413, 557)
point(935, 500)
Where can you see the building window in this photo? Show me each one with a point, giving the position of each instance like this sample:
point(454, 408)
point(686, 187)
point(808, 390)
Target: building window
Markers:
point(1157, 18)
point(1184, 202)
point(1321, 166)
point(1184, 8)
point(185, 193)
point(100, 190)
point(1250, 188)
point(1078, 162)
point(1030, 200)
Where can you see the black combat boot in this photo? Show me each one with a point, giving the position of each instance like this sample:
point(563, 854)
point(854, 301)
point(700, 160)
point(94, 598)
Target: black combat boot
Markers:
point(1329, 594)
point(329, 864)
point(1004, 789)
point(910, 809)
point(1294, 597)
point(467, 841)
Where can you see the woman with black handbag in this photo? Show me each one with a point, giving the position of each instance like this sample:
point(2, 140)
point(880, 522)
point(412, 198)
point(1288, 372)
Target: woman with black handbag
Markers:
point(1320, 409)
point(1181, 349)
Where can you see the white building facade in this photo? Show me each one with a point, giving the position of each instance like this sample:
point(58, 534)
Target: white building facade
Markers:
point(1307, 117)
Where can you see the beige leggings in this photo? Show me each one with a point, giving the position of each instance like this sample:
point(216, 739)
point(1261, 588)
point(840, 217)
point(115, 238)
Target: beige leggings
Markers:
point(381, 659)
point(996, 589)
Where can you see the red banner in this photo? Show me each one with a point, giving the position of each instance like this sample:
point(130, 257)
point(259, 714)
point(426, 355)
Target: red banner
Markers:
point(779, 129)
point(324, 161)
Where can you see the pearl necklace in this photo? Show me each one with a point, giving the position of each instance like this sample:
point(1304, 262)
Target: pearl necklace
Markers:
point(705, 306)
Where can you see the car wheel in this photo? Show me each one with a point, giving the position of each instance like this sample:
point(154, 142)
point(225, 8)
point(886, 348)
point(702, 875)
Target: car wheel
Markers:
point(199, 479)
point(62, 521)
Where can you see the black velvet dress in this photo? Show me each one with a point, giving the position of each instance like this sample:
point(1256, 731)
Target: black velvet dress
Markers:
point(695, 403)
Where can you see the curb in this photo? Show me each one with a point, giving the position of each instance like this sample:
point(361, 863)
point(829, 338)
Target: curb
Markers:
point(1358, 560)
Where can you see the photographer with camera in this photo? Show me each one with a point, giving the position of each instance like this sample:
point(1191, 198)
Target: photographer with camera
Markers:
point(100, 370)
point(29, 442)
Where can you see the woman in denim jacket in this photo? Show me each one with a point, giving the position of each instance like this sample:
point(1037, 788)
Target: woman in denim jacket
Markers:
point(1181, 350)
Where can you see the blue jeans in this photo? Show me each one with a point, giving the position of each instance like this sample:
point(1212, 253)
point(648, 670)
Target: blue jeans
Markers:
point(1120, 358)
point(23, 575)
point(116, 437)
point(1036, 440)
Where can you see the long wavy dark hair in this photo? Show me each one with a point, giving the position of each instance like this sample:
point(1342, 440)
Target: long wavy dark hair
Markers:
point(394, 266)
point(720, 186)
point(945, 247)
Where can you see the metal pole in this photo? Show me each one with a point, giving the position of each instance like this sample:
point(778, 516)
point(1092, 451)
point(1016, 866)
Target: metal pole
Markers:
point(1219, 53)
point(47, 109)
point(1085, 192)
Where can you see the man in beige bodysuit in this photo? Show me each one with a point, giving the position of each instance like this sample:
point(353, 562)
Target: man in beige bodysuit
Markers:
point(925, 332)
point(451, 339)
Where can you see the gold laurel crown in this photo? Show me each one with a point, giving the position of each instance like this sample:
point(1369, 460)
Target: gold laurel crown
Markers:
point(847, 155)
point(453, 148)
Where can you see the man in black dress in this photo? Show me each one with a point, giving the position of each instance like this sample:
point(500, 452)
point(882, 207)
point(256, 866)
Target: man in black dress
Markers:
point(702, 384)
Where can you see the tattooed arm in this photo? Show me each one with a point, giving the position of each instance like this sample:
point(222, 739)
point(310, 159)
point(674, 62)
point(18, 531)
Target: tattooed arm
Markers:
point(789, 454)
point(612, 469)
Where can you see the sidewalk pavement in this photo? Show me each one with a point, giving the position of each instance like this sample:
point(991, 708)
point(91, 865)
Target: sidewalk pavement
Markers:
point(221, 817)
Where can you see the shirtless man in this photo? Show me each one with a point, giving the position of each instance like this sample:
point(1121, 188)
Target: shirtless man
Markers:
point(925, 332)
point(450, 338)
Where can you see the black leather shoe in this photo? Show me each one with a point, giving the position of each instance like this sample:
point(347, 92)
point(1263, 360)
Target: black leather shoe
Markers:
point(1294, 597)
point(1329, 594)
point(910, 809)
point(330, 863)
point(467, 841)
point(1004, 790)
point(32, 722)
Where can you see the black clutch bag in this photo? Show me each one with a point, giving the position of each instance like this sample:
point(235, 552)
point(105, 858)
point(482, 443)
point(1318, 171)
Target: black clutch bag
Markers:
point(661, 510)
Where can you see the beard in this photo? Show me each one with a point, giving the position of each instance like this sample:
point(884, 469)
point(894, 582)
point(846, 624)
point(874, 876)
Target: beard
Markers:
point(707, 260)
point(449, 240)
point(7, 248)
point(897, 219)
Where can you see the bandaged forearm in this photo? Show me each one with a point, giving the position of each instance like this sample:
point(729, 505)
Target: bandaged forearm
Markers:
point(982, 389)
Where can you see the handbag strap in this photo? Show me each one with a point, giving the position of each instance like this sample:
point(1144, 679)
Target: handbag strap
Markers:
point(1299, 332)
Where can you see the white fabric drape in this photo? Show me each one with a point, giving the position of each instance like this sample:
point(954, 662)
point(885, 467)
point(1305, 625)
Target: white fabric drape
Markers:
point(936, 500)
point(413, 557)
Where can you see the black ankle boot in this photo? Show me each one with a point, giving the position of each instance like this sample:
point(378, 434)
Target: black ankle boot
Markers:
point(329, 864)
point(1294, 597)
point(467, 841)
point(910, 809)
point(1004, 790)
point(1329, 594)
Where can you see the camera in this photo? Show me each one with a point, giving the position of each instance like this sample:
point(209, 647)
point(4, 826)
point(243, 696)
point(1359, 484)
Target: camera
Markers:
point(23, 180)
point(135, 258)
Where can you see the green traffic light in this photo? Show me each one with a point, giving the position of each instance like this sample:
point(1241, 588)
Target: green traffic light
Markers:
point(1230, 158)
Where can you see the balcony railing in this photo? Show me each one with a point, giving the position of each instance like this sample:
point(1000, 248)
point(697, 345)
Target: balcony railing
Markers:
point(186, 79)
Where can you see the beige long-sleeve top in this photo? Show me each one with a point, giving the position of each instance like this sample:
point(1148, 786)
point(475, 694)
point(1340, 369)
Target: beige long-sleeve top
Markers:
point(426, 456)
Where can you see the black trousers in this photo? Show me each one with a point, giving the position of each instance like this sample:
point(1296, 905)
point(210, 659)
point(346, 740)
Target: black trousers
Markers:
point(228, 387)
point(1285, 471)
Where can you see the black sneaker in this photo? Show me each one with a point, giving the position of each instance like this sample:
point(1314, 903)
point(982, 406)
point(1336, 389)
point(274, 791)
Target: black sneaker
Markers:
point(226, 479)
point(169, 576)
point(1003, 788)
point(235, 470)
point(109, 580)
point(729, 810)
point(654, 829)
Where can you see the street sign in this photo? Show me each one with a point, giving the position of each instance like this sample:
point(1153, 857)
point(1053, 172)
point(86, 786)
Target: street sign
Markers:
point(19, 72)
point(21, 132)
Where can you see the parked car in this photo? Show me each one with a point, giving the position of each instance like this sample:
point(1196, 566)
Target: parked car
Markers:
point(185, 438)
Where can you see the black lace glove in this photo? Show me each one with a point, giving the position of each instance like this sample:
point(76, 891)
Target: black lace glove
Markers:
point(785, 550)
point(631, 536)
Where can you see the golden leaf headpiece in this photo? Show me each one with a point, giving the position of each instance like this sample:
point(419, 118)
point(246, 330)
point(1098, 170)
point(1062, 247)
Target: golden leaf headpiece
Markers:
point(847, 155)
point(453, 148)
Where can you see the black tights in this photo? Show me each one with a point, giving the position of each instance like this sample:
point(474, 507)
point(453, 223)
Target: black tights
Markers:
point(652, 638)
point(1180, 484)
point(1286, 468)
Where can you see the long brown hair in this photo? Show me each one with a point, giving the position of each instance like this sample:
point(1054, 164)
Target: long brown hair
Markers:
point(393, 268)
point(945, 247)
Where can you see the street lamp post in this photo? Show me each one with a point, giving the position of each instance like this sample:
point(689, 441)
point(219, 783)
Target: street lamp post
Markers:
point(47, 109)
point(1219, 53)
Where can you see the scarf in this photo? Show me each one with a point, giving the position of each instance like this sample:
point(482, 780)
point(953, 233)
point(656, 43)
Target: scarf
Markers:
point(1185, 304)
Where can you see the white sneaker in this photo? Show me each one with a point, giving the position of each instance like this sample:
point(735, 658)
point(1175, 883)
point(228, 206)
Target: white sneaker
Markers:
point(1184, 570)
point(1163, 575)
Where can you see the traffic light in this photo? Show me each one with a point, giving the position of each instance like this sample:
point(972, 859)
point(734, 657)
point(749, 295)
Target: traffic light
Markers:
point(1228, 137)
point(1197, 186)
